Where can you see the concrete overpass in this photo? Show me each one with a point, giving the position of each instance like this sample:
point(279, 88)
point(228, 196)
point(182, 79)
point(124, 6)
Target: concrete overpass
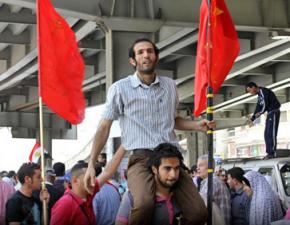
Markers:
point(106, 28)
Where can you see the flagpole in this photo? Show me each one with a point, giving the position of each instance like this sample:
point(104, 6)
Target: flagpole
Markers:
point(209, 115)
point(44, 203)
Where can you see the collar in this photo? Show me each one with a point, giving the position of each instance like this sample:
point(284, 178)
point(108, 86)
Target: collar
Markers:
point(162, 198)
point(237, 192)
point(46, 182)
point(136, 82)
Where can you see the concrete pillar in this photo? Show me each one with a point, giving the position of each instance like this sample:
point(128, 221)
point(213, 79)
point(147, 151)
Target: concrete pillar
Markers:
point(47, 144)
point(192, 149)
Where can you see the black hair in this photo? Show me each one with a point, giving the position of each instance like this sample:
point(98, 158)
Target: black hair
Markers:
point(104, 155)
point(238, 174)
point(98, 169)
point(77, 169)
point(142, 39)
point(11, 174)
point(162, 151)
point(251, 84)
point(27, 169)
point(59, 169)
point(193, 168)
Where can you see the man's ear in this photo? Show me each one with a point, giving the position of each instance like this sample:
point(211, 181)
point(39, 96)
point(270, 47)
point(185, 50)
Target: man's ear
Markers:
point(74, 179)
point(154, 169)
point(27, 179)
point(132, 62)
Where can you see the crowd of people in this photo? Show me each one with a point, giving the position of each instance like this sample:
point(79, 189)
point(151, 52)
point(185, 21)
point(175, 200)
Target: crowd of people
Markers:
point(239, 198)
point(159, 188)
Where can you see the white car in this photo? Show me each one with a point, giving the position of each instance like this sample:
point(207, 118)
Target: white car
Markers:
point(276, 171)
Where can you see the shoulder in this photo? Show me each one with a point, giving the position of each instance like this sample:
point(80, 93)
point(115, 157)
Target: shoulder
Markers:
point(65, 200)
point(166, 80)
point(122, 82)
point(16, 197)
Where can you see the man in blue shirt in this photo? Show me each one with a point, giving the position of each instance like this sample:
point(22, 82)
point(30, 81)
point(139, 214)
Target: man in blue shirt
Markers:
point(267, 102)
point(240, 201)
point(106, 202)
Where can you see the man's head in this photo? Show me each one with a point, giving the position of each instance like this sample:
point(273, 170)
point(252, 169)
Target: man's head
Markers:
point(193, 170)
point(59, 169)
point(102, 159)
point(235, 177)
point(77, 178)
point(50, 175)
point(202, 166)
point(29, 175)
point(143, 56)
point(252, 88)
point(165, 163)
point(222, 174)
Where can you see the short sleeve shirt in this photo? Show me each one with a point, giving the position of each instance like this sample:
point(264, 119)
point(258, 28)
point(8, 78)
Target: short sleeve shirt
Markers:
point(146, 113)
point(23, 209)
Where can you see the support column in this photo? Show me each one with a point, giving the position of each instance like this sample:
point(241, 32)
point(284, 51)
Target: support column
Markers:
point(192, 149)
point(47, 142)
point(109, 59)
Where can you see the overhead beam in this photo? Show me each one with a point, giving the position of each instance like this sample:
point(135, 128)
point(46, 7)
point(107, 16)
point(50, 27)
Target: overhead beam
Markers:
point(30, 120)
point(177, 43)
point(22, 17)
point(22, 69)
point(247, 98)
point(8, 38)
point(226, 123)
point(244, 63)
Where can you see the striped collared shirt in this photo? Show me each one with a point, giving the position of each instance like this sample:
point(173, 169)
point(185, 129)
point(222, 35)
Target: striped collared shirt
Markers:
point(146, 113)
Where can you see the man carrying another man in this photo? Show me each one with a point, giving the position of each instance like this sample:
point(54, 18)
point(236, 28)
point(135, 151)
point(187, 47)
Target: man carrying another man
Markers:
point(164, 163)
point(146, 106)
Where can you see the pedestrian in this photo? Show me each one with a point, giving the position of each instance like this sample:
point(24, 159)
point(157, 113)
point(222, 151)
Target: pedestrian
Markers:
point(221, 194)
point(240, 201)
point(22, 207)
point(265, 204)
point(267, 102)
point(106, 202)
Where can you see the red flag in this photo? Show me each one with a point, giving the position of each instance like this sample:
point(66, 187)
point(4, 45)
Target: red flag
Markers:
point(61, 67)
point(223, 45)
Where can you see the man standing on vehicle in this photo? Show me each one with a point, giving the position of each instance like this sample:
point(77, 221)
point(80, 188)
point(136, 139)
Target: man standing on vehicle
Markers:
point(146, 106)
point(267, 102)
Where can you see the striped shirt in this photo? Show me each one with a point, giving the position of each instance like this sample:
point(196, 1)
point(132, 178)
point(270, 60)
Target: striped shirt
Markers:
point(146, 113)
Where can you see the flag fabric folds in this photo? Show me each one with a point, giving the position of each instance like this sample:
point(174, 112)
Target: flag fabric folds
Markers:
point(216, 53)
point(35, 153)
point(61, 67)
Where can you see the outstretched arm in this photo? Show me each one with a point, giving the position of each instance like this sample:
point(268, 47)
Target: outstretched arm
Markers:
point(112, 166)
point(99, 142)
point(184, 124)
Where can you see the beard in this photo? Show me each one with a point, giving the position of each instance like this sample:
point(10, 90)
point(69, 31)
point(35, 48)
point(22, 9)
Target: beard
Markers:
point(146, 70)
point(166, 183)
